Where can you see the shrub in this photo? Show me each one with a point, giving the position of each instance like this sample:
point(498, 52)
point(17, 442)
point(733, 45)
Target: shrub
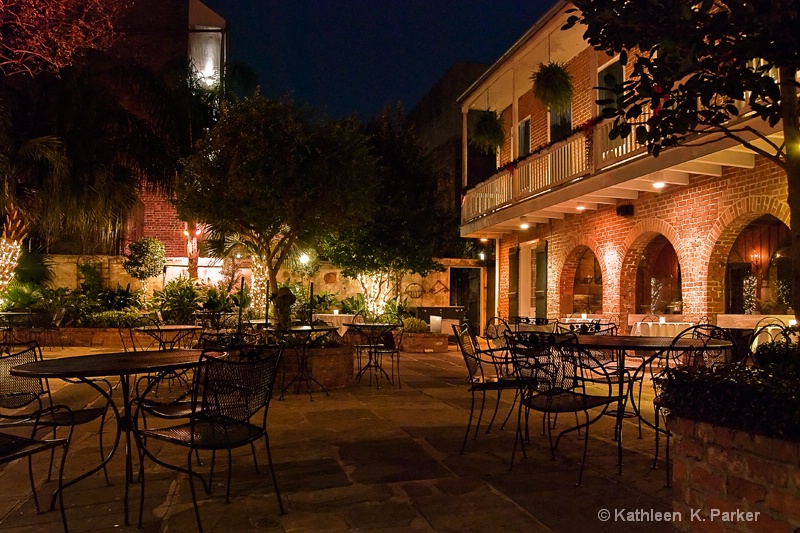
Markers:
point(147, 257)
point(762, 399)
point(109, 319)
point(353, 304)
point(415, 325)
point(178, 301)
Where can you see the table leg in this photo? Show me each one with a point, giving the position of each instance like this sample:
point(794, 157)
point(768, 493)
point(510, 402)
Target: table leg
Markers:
point(111, 452)
point(303, 374)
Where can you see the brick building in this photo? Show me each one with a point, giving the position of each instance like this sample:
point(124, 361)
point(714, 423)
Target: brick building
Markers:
point(588, 225)
point(162, 36)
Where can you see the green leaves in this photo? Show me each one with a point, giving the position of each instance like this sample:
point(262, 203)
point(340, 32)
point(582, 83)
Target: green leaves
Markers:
point(146, 258)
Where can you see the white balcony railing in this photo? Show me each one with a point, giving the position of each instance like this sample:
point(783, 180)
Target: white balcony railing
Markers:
point(547, 169)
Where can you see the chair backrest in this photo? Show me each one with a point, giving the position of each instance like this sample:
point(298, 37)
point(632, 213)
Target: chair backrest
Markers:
point(548, 362)
point(469, 352)
point(392, 336)
point(704, 352)
point(139, 341)
point(495, 332)
point(650, 318)
point(236, 388)
point(15, 391)
point(220, 341)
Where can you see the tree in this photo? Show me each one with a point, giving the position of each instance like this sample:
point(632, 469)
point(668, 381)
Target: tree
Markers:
point(37, 35)
point(146, 258)
point(706, 66)
point(403, 234)
point(271, 172)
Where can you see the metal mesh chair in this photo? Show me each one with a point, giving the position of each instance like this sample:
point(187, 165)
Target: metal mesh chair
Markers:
point(18, 394)
point(558, 377)
point(389, 344)
point(708, 346)
point(484, 373)
point(228, 393)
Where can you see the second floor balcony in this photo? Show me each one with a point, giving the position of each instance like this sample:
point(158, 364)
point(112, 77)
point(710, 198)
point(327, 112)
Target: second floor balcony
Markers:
point(583, 172)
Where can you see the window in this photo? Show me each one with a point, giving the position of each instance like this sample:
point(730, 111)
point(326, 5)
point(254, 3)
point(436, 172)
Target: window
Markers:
point(607, 77)
point(560, 125)
point(524, 147)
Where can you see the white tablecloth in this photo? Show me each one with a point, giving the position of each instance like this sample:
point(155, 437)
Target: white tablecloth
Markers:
point(335, 320)
point(659, 329)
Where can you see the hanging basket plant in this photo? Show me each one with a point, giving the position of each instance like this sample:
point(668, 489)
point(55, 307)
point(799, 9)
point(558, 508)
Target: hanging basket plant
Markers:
point(487, 132)
point(552, 86)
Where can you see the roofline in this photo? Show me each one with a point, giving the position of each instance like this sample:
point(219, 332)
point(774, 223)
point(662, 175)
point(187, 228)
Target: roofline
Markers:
point(543, 20)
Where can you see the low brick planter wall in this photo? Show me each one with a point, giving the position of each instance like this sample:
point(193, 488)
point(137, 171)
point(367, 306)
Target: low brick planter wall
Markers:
point(333, 367)
point(717, 470)
point(95, 337)
point(424, 342)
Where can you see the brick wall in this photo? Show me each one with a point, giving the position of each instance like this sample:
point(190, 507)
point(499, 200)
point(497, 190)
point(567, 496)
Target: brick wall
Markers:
point(700, 220)
point(719, 470)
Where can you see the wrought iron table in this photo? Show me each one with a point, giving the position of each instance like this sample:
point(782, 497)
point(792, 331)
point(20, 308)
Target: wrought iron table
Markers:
point(122, 364)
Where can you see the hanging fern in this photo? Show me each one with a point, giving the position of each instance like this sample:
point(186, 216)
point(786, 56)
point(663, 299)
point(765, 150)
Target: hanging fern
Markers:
point(487, 132)
point(552, 85)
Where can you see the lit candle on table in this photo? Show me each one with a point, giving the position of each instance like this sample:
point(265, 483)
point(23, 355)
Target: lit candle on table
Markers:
point(583, 316)
point(662, 319)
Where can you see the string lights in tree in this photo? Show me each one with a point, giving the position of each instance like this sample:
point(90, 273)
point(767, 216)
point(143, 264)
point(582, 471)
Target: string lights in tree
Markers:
point(13, 235)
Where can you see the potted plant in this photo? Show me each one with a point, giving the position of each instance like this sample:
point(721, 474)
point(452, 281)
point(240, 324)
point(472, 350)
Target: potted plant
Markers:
point(552, 85)
point(487, 132)
point(418, 338)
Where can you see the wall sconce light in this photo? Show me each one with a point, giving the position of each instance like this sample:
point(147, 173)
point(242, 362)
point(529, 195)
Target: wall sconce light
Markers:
point(755, 258)
point(482, 256)
point(523, 222)
point(304, 259)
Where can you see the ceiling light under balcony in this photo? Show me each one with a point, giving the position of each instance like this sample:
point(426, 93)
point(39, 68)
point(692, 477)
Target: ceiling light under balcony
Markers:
point(523, 223)
point(659, 184)
point(581, 208)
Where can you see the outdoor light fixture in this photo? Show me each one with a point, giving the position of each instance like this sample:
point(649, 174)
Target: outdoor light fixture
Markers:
point(755, 258)
point(484, 239)
point(659, 184)
point(482, 256)
point(581, 208)
point(304, 259)
point(523, 222)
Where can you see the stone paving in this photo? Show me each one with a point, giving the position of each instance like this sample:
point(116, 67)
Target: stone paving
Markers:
point(365, 459)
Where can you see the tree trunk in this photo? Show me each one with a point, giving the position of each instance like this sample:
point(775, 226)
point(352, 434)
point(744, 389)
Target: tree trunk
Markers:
point(791, 133)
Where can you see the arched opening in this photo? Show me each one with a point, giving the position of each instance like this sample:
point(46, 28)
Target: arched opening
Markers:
point(758, 270)
point(587, 292)
point(658, 279)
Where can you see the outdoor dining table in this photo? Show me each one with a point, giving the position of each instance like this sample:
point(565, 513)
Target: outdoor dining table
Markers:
point(373, 333)
point(168, 335)
point(12, 319)
point(300, 338)
point(122, 364)
point(621, 344)
point(659, 329)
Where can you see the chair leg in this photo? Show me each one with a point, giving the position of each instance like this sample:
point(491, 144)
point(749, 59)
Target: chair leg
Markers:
point(511, 410)
point(272, 472)
point(517, 438)
point(194, 493)
point(399, 383)
point(494, 414)
point(255, 459)
point(230, 471)
point(668, 467)
point(658, 431)
point(480, 414)
point(585, 448)
point(469, 422)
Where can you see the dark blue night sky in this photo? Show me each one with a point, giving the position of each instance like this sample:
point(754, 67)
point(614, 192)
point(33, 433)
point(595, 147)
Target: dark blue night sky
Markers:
point(345, 56)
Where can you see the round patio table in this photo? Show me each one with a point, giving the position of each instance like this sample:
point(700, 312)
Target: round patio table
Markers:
point(373, 332)
point(300, 338)
point(122, 364)
point(168, 335)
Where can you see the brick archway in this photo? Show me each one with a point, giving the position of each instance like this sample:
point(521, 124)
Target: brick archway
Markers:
point(633, 248)
point(723, 234)
point(568, 261)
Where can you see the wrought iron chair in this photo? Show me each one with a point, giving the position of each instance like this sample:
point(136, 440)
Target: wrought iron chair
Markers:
point(18, 394)
point(45, 327)
point(559, 377)
point(481, 379)
point(228, 393)
point(705, 351)
point(13, 447)
point(389, 344)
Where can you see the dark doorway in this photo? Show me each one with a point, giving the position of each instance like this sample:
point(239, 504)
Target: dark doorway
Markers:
point(465, 291)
